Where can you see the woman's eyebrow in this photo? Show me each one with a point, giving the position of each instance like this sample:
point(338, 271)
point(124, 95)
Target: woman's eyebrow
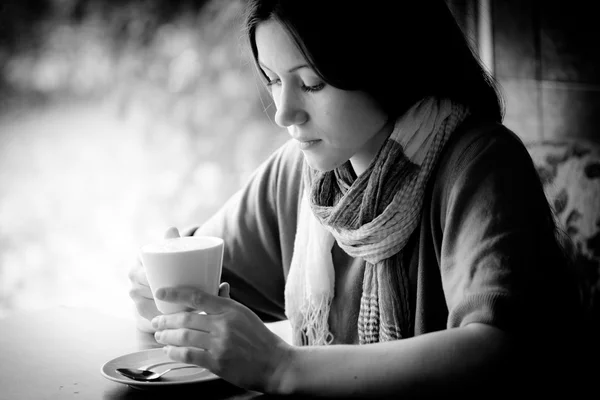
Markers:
point(289, 71)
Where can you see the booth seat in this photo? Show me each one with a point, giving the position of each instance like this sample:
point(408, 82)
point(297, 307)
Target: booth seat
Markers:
point(570, 172)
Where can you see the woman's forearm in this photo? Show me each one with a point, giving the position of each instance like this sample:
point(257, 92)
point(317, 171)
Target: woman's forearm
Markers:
point(439, 361)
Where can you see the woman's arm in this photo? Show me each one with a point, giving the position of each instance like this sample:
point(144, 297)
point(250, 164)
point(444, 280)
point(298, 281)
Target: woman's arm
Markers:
point(233, 343)
point(258, 227)
point(503, 311)
point(445, 362)
point(504, 285)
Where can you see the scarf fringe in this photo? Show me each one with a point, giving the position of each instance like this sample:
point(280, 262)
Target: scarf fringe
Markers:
point(309, 290)
point(313, 329)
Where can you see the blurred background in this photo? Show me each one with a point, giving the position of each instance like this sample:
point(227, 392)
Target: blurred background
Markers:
point(119, 119)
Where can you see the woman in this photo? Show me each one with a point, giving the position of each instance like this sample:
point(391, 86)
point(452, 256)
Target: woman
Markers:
point(403, 230)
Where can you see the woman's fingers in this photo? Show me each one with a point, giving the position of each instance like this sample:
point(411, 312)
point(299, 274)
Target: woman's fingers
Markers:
point(194, 298)
point(145, 307)
point(184, 337)
point(190, 355)
point(137, 274)
point(224, 290)
point(172, 232)
point(189, 320)
point(143, 300)
point(137, 290)
point(140, 292)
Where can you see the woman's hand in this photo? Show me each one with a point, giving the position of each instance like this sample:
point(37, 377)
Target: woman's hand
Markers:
point(140, 291)
point(229, 340)
point(141, 295)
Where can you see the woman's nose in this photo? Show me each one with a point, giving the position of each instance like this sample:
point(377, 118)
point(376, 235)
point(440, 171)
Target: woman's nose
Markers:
point(290, 110)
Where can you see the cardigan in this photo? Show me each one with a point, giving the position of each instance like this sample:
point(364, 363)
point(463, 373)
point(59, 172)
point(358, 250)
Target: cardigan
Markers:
point(486, 249)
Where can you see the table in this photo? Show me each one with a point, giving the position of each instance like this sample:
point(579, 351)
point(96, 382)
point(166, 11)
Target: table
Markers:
point(66, 348)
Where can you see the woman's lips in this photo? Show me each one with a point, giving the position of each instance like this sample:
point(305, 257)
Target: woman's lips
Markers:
point(307, 144)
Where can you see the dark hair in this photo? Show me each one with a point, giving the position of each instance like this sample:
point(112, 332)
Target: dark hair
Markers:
point(397, 51)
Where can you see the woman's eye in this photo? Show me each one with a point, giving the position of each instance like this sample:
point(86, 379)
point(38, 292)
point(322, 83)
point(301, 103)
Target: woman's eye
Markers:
point(314, 88)
point(306, 88)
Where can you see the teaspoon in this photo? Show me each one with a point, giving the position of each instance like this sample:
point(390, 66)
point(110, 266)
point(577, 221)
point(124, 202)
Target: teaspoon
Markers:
point(146, 375)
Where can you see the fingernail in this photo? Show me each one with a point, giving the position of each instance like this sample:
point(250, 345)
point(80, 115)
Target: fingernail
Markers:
point(157, 336)
point(154, 322)
point(160, 294)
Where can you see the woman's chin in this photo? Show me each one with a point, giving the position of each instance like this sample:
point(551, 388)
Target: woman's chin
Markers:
point(321, 164)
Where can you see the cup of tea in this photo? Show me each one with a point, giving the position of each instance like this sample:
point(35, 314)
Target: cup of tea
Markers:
point(195, 261)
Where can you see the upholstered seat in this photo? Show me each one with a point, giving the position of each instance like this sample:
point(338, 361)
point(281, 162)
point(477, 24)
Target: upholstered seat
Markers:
point(570, 172)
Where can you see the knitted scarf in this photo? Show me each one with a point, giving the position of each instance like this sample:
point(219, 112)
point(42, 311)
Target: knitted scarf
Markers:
point(370, 216)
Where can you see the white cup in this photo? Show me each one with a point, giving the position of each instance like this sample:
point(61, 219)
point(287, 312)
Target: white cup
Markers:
point(183, 261)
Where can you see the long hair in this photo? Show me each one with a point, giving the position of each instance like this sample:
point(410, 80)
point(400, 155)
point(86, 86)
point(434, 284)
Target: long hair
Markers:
point(397, 52)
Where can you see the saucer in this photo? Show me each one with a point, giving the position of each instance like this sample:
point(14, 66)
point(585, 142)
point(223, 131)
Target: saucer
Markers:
point(138, 359)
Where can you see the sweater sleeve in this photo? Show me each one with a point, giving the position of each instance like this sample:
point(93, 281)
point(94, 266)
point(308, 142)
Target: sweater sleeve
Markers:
point(500, 261)
point(258, 225)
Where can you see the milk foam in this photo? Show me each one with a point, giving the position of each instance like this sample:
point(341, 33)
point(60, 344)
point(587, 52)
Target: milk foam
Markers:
point(177, 245)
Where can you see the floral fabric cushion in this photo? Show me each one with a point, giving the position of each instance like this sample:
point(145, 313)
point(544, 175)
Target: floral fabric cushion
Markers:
point(570, 172)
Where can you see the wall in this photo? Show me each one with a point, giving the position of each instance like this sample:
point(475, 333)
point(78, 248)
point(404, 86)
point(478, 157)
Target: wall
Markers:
point(546, 59)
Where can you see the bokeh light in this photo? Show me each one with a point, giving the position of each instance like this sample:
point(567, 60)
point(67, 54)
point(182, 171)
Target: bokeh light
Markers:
point(117, 120)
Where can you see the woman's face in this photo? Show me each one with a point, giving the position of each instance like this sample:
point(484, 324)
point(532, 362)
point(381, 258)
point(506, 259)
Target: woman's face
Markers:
point(331, 126)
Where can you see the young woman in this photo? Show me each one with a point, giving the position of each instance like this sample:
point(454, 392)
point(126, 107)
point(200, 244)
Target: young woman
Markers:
point(403, 230)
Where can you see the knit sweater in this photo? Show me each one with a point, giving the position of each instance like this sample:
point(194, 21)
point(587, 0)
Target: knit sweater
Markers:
point(484, 251)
